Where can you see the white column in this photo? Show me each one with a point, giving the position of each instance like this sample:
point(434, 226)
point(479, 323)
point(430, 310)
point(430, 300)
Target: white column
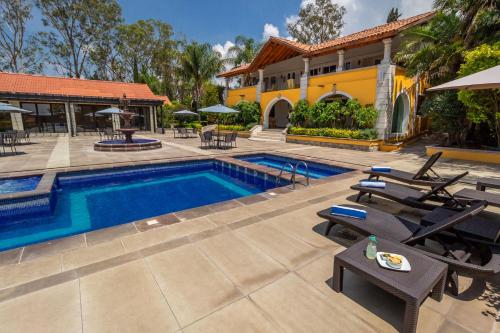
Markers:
point(304, 79)
point(16, 118)
point(152, 119)
point(387, 50)
point(115, 119)
point(260, 85)
point(340, 65)
point(242, 80)
point(383, 98)
point(68, 119)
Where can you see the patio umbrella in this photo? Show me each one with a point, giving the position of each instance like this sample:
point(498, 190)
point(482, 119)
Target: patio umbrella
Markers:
point(487, 79)
point(4, 107)
point(185, 113)
point(218, 109)
point(113, 110)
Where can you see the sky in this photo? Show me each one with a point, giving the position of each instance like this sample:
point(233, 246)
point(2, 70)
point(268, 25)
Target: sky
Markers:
point(218, 22)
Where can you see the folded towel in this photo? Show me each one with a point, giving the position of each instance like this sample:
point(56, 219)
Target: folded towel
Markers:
point(348, 211)
point(380, 168)
point(372, 183)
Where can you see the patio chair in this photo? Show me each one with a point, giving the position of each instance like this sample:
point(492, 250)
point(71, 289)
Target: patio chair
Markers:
point(227, 141)
point(456, 254)
point(412, 196)
point(22, 135)
point(9, 139)
point(233, 139)
point(206, 139)
point(426, 176)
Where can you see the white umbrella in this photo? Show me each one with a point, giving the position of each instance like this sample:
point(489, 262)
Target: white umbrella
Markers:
point(185, 113)
point(4, 107)
point(219, 109)
point(113, 111)
point(487, 79)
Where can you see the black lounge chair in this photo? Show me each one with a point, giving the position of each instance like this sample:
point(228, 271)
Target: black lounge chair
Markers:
point(493, 199)
point(412, 196)
point(426, 176)
point(456, 255)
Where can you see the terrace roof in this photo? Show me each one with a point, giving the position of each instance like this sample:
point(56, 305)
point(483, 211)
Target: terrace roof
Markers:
point(277, 49)
point(12, 84)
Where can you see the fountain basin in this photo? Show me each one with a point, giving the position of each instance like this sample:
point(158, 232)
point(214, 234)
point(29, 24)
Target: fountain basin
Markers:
point(122, 145)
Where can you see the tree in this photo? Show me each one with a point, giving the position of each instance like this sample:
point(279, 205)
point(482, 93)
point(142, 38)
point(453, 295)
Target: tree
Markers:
point(393, 15)
point(77, 26)
point(244, 50)
point(317, 22)
point(483, 105)
point(19, 51)
point(200, 63)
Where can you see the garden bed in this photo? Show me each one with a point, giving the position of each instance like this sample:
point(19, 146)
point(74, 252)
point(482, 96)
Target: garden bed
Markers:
point(241, 134)
point(478, 155)
point(343, 143)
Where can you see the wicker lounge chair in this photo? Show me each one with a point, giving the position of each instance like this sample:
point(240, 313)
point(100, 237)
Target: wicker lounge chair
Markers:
point(426, 176)
point(398, 229)
point(206, 139)
point(412, 196)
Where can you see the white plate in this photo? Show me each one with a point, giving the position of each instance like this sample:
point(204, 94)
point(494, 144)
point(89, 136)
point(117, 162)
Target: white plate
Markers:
point(405, 267)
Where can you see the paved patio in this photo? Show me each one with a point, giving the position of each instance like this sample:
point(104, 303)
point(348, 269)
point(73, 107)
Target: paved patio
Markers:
point(258, 265)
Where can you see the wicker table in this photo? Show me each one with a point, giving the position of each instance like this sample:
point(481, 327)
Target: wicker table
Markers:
point(483, 183)
point(426, 276)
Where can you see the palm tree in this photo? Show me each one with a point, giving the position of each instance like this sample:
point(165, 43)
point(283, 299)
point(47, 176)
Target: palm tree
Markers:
point(393, 15)
point(433, 49)
point(243, 51)
point(479, 19)
point(199, 63)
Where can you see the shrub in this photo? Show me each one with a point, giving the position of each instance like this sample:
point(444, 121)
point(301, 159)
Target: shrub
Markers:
point(365, 117)
point(196, 125)
point(335, 132)
point(249, 113)
point(232, 127)
point(300, 113)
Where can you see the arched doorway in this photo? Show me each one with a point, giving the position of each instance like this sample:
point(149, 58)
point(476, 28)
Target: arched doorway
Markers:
point(277, 114)
point(400, 114)
point(335, 97)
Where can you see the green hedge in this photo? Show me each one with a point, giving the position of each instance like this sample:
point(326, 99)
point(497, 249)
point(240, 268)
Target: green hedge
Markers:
point(367, 134)
point(237, 128)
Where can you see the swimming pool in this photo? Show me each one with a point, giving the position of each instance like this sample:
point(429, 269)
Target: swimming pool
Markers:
point(20, 184)
point(316, 170)
point(85, 201)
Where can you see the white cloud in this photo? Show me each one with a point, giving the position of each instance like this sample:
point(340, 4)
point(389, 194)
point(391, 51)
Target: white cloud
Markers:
point(223, 49)
point(270, 30)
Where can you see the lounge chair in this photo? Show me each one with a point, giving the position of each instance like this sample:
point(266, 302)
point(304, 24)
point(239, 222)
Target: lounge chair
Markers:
point(426, 176)
point(412, 196)
point(492, 198)
point(398, 229)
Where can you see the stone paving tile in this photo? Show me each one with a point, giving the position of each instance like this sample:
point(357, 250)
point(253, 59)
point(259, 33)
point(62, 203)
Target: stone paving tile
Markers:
point(245, 265)
point(108, 234)
point(52, 310)
point(192, 284)
point(10, 257)
point(53, 247)
point(91, 254)
point(125, 299)
point(155, 222)
point(233, 215)
point(298, 307)
point(289, 251)
point(15, 274)
point(240, 316)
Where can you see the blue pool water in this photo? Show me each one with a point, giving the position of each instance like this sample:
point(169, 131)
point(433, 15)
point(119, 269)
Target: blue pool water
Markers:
point(94, 200)
point(14, 185)
point(316, 170)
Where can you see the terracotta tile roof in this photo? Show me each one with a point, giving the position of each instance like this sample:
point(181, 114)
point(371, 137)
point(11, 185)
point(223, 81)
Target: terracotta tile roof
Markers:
point(67, 87)
point(165, 99)
point(372, 34)
point(366, 36)
point(234, 71)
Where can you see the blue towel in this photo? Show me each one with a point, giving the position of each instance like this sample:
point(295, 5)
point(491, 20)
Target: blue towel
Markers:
point(381, 168)
point(372, 183)
point(349, 212)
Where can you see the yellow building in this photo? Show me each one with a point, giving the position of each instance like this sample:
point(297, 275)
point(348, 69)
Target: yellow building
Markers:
point(358, 66)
